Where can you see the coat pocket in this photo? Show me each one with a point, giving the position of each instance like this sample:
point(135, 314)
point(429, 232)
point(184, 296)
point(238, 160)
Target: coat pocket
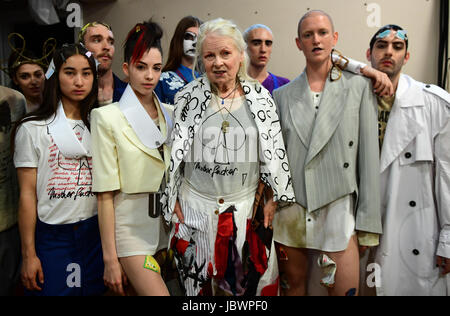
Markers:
point(419, 150)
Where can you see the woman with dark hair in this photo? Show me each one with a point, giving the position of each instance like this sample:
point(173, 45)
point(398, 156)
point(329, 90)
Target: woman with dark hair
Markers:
point(27, 77)
point(178, 70)
point(57, 208)
point(130, 159)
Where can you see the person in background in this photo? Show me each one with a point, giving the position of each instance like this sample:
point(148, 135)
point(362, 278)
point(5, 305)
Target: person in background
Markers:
point(98, 38)
point(259, 39)
point(179, 69)
point(12, 109)
point(27, 76)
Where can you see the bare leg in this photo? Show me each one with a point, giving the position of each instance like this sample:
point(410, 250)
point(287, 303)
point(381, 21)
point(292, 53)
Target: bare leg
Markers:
point(293, 266)
point(347, 273)
point(144, 281)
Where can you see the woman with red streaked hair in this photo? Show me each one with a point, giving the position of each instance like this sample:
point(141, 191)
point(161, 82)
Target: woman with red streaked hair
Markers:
point(130, 158)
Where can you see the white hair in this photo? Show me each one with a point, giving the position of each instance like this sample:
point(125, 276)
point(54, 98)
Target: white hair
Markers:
point(255, 27)
point(226, 28)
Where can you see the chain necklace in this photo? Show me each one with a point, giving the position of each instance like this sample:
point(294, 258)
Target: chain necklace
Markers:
point(225, 97)
point(225, 123)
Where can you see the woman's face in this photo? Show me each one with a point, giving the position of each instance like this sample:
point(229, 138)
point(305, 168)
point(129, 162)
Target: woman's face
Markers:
point(30, 79)
point(76, 78)
point(221, 59)
point(190, 41)
point(144, 74)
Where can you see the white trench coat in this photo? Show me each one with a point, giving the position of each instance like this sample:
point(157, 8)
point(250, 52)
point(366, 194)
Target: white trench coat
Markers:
point(415, 192)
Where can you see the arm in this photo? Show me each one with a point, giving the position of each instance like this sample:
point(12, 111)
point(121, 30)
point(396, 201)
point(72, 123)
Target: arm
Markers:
point(31, 265)
point(442, 194)
point(368, 215)
point(105, 176)
point(382, 85)
point(114, 276)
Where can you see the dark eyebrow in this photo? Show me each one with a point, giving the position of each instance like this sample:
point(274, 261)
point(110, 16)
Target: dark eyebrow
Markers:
point(96, 36)
point(68, 68)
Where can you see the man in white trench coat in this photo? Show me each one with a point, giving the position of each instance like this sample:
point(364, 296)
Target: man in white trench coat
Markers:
point(414, 126)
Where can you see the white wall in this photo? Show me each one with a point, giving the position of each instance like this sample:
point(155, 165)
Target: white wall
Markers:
point(351, 17)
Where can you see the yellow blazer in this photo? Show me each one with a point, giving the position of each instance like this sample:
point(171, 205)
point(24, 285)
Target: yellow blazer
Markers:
point(120, 161)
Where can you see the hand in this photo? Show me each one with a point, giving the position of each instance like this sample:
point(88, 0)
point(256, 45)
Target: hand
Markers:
point(114, 277)
point(382, 85)
point(178, 212)
point(269, 212)
point(32, 268)
point(443, 263)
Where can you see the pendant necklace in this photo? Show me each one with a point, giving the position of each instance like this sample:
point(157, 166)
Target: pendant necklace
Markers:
point(223, 99)
point(225, 123)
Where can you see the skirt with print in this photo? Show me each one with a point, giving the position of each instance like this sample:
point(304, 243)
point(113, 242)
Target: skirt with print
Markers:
point(217, 251)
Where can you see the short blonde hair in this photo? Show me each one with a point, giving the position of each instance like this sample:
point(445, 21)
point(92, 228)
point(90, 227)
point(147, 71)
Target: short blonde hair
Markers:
point(227, 28)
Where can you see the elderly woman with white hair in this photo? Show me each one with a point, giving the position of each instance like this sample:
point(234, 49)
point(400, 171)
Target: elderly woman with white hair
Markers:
point(227, 147)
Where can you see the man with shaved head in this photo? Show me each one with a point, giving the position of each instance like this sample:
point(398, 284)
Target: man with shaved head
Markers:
point(259, 39)
point(329, 123)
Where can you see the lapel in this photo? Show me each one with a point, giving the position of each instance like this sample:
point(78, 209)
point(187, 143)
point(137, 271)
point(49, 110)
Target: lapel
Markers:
point(132, 137)
point(139, 120)
point(331, 109)
point(164, 122)
point(401, 128)
point(302, 110)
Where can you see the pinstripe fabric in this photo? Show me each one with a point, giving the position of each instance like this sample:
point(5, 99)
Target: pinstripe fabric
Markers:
point(336, 152)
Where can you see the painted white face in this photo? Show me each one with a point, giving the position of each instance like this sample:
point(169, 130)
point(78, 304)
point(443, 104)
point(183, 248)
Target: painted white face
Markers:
point(189, 43)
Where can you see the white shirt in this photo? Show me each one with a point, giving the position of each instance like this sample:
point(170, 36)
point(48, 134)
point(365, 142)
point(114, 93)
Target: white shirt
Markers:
point(64, 185)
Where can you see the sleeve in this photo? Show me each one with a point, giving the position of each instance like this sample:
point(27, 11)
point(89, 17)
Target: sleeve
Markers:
point(105, 166)
point(347, 63)
point(368, 239)
point(25, 152)
point(368, 214)
point(159, 91)
point(442, 179)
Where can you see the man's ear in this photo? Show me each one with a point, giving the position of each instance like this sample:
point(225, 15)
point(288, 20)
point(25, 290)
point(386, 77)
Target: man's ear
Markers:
point(407, 56)
point(335, 38)
point(126, 69)
point(369, 55)
point(298, 43)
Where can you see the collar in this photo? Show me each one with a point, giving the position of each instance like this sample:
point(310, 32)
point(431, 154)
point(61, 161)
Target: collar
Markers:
point(409, 93)
point(65, 139)
point(142, 124)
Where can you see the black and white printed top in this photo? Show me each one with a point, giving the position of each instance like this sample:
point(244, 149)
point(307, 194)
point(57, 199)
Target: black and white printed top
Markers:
point(191, 104)
point(228, 157)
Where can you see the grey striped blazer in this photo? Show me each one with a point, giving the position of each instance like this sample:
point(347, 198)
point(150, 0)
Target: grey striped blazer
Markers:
point(335, 153)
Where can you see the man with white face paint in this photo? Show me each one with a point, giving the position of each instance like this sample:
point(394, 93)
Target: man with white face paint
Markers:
point(414, 137)
point(178, 70)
